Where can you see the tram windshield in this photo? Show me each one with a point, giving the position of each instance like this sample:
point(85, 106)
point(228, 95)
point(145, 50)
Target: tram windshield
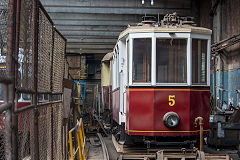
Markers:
point(142, 51)
point(171, 60)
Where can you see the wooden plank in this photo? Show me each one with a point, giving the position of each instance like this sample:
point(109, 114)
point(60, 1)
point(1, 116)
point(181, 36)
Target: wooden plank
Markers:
point(119, 147)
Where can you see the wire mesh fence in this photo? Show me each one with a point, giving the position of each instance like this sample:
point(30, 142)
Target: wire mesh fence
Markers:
point(5, 130)
point(58, 62)
point(2, 137)
point(37, 130)
point(6, 49)
point(25, 53)
point(57, 131)
point(66, 70)
point(25, 132)
point(45, 46)
point(50, 132)
point(45, 132)
point(3, 36)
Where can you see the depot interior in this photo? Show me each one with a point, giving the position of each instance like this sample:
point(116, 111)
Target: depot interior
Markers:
point(91, 29)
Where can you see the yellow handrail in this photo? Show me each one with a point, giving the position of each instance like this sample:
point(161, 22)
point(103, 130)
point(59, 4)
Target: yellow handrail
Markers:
point(81, 139)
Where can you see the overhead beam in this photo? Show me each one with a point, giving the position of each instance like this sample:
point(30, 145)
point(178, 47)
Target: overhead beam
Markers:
point(95, 46)
point(82, 40)
point(118, 3)
point(90, 37)
point(88, 51)
point(91, 43)
point(112, 10)
point(99, 17)
point(89, 23)
point(89, 33)
point(90, 28)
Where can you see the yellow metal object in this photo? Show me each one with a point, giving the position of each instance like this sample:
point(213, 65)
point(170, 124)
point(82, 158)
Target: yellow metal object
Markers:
point(79, 146)
point(70, 143)
point(84, 139)
point(79, 108)
point(82, 74)
point(81, 139)
point(3, 67)
point(79, 89)
point(169, 131)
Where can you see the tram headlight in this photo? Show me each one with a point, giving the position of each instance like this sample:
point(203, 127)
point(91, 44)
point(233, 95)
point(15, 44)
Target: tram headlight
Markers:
point(171, 119)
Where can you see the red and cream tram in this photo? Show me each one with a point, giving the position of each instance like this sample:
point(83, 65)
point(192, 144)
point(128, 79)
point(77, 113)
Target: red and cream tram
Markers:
point(161, 79)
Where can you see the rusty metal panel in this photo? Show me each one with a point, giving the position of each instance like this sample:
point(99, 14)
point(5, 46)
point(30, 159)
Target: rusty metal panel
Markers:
point(45, 46)
point(58, 63)
point(25, 65)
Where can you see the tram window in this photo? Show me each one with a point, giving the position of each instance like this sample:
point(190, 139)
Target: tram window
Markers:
point(26, 96)
point(1, 92)
point(142, 49)
point(199, 61)
point(56, 97)
point(171, 60)
point(40, 97)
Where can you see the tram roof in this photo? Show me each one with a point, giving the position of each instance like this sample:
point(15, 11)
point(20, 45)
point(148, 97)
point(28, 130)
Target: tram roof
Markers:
point(170, 29)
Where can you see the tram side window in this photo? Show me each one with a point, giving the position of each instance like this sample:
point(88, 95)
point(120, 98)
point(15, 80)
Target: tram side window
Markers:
point(199, 61)
point(1, 92)
point(142, 53)
point(171, 60)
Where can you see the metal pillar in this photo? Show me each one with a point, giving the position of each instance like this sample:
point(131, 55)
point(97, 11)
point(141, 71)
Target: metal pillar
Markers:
point(35, 74)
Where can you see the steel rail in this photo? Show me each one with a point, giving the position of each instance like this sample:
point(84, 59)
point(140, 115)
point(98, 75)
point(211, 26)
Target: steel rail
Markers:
point(104, 148)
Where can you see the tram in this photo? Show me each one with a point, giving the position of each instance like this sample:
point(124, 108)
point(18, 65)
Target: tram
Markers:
point(160, 80)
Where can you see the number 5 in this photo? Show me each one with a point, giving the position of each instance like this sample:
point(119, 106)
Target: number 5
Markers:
point(171, 100)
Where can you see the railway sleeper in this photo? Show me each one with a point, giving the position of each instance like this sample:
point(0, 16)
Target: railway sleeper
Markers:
point(160, 155)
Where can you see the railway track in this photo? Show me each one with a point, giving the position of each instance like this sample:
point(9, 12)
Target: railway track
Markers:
point(104, 147)
point(141, 153)
point(161, 155)
point(98, 148)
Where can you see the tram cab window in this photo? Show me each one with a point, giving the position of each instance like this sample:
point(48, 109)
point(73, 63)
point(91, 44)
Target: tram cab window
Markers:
point(171, 62)
point(142, 51)
point(199, 61)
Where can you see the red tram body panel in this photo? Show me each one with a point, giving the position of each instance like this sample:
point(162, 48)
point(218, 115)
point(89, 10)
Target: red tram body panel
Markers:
point(146, 108)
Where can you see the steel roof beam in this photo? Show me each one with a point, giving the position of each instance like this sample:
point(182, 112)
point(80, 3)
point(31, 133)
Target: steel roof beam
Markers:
point(72, 40)
point(77, 51)
point(90, 37)
point(117, 3)
point(99, 17)
point(90, 28)
point(89, 33)
point(99, 10)
point(89, 23)
point(87, 46)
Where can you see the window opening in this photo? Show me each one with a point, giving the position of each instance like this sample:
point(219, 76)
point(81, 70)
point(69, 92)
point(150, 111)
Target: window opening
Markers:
point(142, 51)
point(199, 61)
point(171, 60)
